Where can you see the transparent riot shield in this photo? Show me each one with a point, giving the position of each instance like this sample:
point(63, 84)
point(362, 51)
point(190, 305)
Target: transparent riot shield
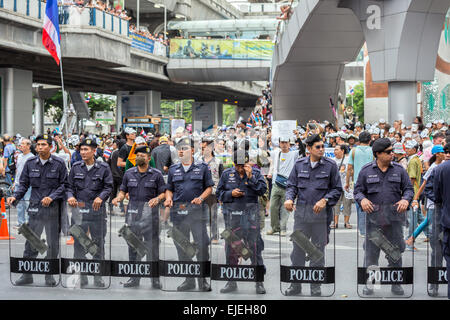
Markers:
point(437, 266)
point(135, 246)
point(237, 261)
point(34, 244)
point(385, 269)
point(307, 258)
point(185, 249)
point(85, 261)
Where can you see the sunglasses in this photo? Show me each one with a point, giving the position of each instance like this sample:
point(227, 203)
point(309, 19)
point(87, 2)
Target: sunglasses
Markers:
point(320, 147)
point(388, 151)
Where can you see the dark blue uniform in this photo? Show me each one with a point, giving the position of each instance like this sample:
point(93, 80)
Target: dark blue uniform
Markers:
point(45, 180)
point(85, 186)
point(241, 214)
point(187, 217)
point(142, 187)
point(442, 197)
point(310, 185)
point(384, 189)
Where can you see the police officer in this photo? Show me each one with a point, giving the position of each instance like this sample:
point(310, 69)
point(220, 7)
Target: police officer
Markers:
point(89, 185)
point(316, 184)
point(46, 175)
point(381, 184)
point(189, 183)
point(144, 185)
point(442, 198)
point(238, 189)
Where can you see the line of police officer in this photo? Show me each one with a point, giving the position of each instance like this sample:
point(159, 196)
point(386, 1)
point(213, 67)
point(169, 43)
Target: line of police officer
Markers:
point(314, 181)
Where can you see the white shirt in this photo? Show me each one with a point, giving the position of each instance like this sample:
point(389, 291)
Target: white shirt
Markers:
point(21, 159)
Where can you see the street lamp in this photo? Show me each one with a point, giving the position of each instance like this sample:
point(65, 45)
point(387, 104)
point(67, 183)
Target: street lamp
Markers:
point(159, 5)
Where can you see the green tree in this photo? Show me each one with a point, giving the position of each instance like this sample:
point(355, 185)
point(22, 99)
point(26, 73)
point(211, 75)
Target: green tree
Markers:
point(358, 101)
point(98, 102)
point(168, 109)
point(55, 106)
point(229, 114)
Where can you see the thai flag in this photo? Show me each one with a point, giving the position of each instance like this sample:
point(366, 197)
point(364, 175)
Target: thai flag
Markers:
point(50, 35)
point(88, 99)
point(249, 125)
point(143, 133)
point(352, 91)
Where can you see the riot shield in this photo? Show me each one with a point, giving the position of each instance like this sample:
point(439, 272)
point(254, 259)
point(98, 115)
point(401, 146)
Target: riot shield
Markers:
point(307, 257)
point(237, 262)
point(86, 263)
point(185, 250)
point(34, 253)
point(437, 266)
point(385, 269)
point(135, 246)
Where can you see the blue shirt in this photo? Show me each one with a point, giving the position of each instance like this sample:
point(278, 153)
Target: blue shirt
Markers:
point(442, 191)
point(253, 188)
point(363, 155)
point(46, 180)
point(7, 151)
point(310, 185)
point(186, 186)
point(383, 187)
point(143, 187)
point(86, 185)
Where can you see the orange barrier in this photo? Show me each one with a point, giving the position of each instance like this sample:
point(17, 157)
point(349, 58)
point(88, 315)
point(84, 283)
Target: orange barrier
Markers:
point(70, 241)
point(4, 231)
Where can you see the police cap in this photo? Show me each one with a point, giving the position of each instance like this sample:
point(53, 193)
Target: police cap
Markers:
point(313, 139)
point(46, 137)
point(143, 149)
point(380, 145)
point(89, 142)
point(185, 141)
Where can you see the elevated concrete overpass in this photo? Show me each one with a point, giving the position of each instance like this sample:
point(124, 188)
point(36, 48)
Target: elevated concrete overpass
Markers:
point(97, 58)
point(323, 35)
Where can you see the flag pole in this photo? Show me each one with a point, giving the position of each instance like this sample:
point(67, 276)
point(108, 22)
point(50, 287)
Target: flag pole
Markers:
point(65, 111)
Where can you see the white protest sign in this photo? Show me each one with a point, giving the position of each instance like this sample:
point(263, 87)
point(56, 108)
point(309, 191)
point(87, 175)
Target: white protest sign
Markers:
point(176, 123)
point(283, 128)
point(329, 153)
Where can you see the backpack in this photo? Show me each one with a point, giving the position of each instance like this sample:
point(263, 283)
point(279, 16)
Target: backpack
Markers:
point(11, 163)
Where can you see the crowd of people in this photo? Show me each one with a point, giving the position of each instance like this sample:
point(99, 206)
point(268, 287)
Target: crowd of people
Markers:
point(81, 5)
point(146, 34)
point(418, 149)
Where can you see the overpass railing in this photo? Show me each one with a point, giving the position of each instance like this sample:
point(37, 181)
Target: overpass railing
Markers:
point(70, 15)
point(221, 49)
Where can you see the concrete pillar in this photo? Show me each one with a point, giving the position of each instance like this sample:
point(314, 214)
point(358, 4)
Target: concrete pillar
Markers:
point(118, 112)
point(402, 101)
point(402, 39)
point(206, 114)
point(17, 104)
point(38, 116)
point(153, 101)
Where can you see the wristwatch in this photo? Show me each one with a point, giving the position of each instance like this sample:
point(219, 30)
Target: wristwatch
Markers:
point(201, 198)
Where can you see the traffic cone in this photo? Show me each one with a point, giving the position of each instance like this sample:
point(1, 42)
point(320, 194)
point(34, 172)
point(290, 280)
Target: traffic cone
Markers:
point(70, 241)
point(4, 232)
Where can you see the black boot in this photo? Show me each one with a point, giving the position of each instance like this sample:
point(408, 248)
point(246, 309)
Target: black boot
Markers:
point(155, 283)
point(315, 290)
point(49, 280)
point(132, 282)
point(98, 282)
point(397, 290)
point(260, 288)
point(433, 290)
point(229, 287)
point(83, 280)
point(24, 279)
point(294, 289)
point(188, 284)
point(367, 291)
point(203, 285)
